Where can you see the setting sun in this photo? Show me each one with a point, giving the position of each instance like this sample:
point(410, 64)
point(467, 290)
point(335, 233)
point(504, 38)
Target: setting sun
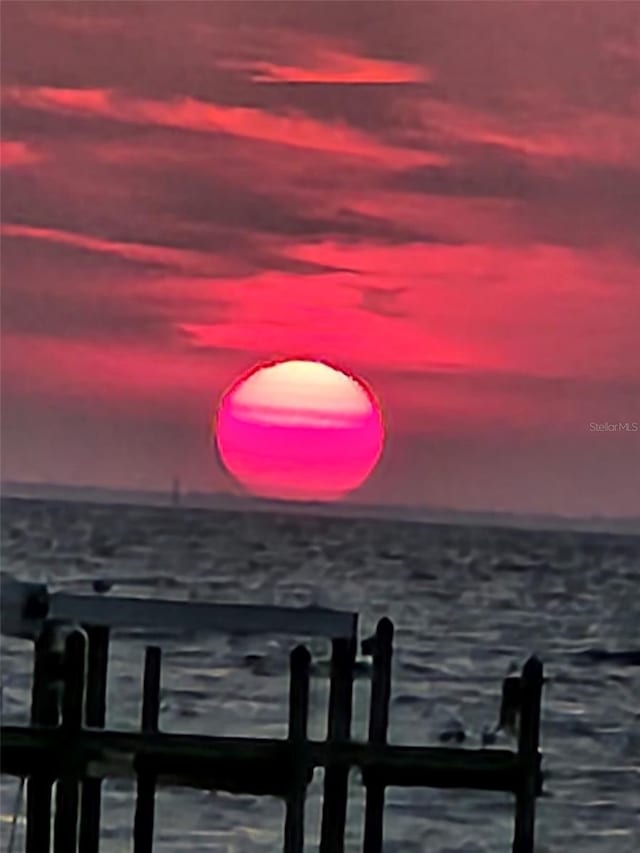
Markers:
point(299, 429)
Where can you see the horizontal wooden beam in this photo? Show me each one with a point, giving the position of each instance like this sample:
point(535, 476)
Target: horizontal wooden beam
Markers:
point(247, 765)
point(202, 616)
point(235, 764)
point(430, 767)
point(25, 606)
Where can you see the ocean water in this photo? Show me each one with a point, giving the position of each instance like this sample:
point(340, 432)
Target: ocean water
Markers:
point(468, 603)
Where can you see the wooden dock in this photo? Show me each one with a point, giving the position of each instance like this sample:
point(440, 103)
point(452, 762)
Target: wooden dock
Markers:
point(67, 748)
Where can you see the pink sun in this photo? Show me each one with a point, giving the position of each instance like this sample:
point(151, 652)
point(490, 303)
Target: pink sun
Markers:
point(299, 429)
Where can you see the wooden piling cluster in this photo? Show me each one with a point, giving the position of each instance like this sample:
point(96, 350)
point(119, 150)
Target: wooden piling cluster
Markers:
point(76, 753)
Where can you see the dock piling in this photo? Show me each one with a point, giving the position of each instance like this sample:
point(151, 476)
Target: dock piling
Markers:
point(529, 756)
point(380, 647)
point(45, 711)
point(336, 775)
point(300, 661)
point(95, 717)
point(146, 792)
point(65, 828)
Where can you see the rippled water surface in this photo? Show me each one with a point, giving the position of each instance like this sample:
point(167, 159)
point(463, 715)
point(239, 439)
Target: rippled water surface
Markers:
point(468, 604)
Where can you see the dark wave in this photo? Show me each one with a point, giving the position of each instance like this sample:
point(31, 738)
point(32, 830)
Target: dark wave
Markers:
point(630, 657)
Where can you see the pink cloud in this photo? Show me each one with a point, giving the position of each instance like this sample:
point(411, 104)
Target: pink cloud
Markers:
point(122, 374)
point(546, 129)
point(14, 153)
point(541, 310)
point(326, 65)
point(274, 316)
point(292, 129)
point(183, 260)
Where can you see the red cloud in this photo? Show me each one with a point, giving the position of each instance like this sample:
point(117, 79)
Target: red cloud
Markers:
point(182, 260)
point(15, 153)
point(292, 129)
point(324, 65)
point(272, 315)
point(540, 310)
point(546, 129)
point(92, 371)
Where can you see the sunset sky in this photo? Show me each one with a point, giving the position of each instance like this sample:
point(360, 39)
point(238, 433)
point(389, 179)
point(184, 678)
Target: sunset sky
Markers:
point(442, 197)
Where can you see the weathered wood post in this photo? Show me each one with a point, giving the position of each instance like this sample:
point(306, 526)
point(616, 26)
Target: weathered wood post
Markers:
point(145, 802)
point(95, 714)
point(380, 647)
point(336, 776)
point(65, 827)
point(298, 720)
point(45, 711)
point(529, 756)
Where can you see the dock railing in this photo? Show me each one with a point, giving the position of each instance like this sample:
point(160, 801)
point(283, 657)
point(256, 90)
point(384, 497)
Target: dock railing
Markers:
point(67, 746)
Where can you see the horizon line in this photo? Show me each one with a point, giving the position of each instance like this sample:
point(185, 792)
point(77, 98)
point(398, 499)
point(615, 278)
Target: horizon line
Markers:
point(415, 512)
